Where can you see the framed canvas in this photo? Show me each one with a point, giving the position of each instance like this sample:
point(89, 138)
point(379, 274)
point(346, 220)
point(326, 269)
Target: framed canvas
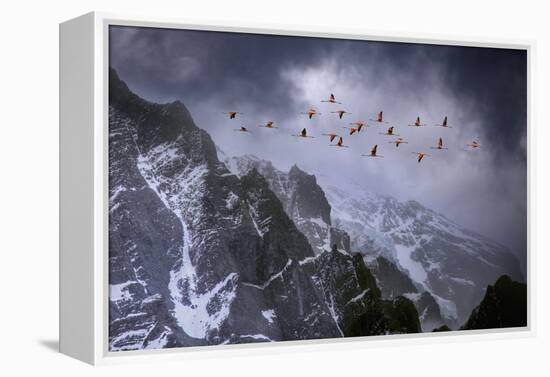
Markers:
point(231, 188)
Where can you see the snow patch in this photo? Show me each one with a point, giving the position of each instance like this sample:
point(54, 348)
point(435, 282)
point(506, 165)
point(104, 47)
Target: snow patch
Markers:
point(463, 281)
point(415, 269)
point(257, 337)
point(447, 307)
point(269, 315)
point(120, 292)
point(359, 296)
point(273, 277)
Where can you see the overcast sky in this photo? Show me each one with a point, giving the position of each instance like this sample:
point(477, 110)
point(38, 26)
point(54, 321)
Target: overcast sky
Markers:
point(482, 91)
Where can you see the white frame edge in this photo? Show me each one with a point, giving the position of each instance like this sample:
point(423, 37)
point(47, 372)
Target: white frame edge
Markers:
point(84, 191)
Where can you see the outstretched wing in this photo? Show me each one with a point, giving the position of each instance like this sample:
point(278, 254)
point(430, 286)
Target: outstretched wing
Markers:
point(304, 132)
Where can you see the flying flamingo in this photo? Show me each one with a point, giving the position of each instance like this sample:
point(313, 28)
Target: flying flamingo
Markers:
point(303, 134)
point(420, 155)
point(379, 117)
point(331, 136)
point(372, 152)
point(474, 144)
point(340, 113)
point(311, 112)
point(389, 132)
point(417, 123)
point(398, 141)
point(352, 130)
point(439, 144)
point(331, 99)
point(359, 124)
point(340, 143)
point(232, 114)
point(268, 125)
point(242, 129)
point(444, 124)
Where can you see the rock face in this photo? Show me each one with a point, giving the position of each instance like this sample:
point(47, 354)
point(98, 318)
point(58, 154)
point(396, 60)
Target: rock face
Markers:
point(198, 255)
point(302, 198)
point(391, 281)
point(451, 263)
point(394, 282)
point(504, 305)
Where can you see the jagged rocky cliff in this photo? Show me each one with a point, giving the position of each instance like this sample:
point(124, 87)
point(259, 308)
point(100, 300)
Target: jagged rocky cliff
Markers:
point(302, 198)
point(504, 305)
point(451, 263)
point(411, 250)
point(199, 255)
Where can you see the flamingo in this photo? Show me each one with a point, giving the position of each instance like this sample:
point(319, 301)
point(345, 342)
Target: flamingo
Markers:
point(379, 117)
point(242, 129)
point(268, 125)
point(444, 124)
point(389, 132)
point(372, 152)
point(311, 112)
point(303, 134)
point(474, 144)
point(398, 141)
point(359, 124)
point(352, 130)
point(232, 114)
point(340, 143)
point(420, 155)
point(331, 136)
point(340, 113)
point(417, 123)
point(331, 99)
point(439, 144)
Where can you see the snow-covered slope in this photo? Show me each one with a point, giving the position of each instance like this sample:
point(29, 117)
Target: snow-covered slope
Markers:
point(198, 255)
point(450, 263)
point(187, 240)
point(441, 257)
point(305, 202)
point(302, 198)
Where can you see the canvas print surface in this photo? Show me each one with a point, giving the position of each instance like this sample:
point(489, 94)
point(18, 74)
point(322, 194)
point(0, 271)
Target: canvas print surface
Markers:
point(268, 188)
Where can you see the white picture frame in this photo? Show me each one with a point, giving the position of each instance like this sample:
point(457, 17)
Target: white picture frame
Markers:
point(84, 191)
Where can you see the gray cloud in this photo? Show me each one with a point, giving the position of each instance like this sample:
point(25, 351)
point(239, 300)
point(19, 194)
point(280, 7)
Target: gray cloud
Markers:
point(482, 91)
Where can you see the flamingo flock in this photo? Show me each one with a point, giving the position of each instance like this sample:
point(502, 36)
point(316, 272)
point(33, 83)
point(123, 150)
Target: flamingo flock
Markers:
point(356, 128)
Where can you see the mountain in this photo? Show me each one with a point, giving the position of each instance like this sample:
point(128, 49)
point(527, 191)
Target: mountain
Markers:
point(504, 305)
point(394, 282)
point(302, 198)
point(451, 263)
point(200, 256)
point(410, 249)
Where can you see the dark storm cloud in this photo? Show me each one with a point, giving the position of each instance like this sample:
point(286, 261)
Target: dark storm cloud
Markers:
point(483, 91)
point(234, 65)
point(494, 81)
point(168, 64)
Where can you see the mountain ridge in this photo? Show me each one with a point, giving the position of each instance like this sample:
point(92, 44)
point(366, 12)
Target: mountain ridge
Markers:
point(199, 256)
point(449, 262)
